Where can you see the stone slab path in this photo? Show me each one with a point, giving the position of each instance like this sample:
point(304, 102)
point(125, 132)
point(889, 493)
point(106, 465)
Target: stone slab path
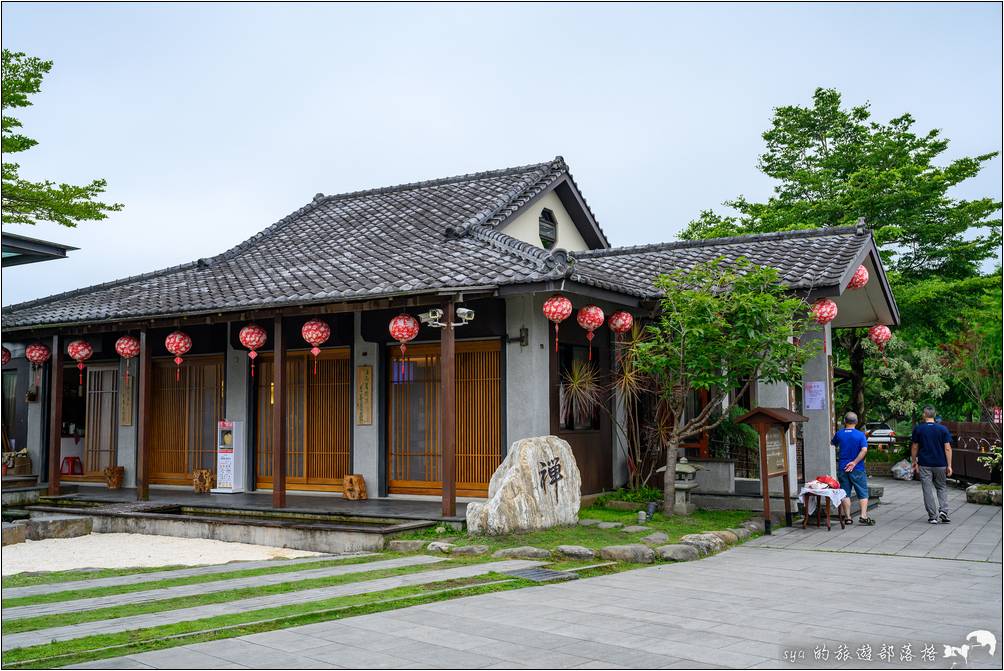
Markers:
point(18, 612)
point(901, 529)
point(30, 638)
point(135, 578)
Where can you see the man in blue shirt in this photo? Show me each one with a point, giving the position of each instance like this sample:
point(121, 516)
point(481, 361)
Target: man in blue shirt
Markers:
point(853, 446)
point(931, 453)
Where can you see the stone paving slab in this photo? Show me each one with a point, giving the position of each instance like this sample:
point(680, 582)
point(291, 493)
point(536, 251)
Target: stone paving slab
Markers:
point(209, 587)
point(38, 637)
point(135, 578)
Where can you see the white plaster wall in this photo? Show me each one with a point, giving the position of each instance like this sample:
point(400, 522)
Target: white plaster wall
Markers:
point(36, 417)
point(818, 455)
point(366, 437)
point(126, 448)
point(527, 393)
point(526, 227)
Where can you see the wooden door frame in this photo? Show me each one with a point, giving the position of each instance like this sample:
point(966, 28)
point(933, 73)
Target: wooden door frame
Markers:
point(95, 476)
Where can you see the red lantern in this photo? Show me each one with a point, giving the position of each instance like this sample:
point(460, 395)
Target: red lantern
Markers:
point(620, 322)
point(178, 343)
point(403, 328)
point(80, 351)
point(880, 335)
point(127, 348)
point(316, 333)
point(824, 311)
point(859, 278)
point(590, 318)
point(5, 357)
point(37, 354)
point(253, 337)
point(557, 308)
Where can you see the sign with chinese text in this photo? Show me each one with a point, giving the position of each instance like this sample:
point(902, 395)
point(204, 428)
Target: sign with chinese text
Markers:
point(777, 453)
point(814, 396)
point(125, 401)
point(364, 395)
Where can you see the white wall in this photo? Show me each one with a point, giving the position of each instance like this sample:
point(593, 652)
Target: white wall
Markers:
point(526, 227)
point(818, 455)
point(366, 438)
point(527, 370)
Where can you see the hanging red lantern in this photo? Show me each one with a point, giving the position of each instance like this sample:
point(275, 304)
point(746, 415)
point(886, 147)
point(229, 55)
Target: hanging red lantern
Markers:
point(316, 333)
point(37, 354)
point(824, 311)
point(253, 337)
point(403, 328)
point(620, 323)
point(590, 318)
point(178, 343)
point(859, 278)
point(5, 357)
point(127, 348)
point(557, 308)
point(880, 335)
point(80, 351)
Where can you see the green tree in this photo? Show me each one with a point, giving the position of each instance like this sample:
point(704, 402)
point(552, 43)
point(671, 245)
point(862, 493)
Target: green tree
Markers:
point(905, 378)
point(833, 166)
point(718, 327)
point(25, 201)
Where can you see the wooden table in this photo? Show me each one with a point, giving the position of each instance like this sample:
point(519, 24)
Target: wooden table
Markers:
point(821, 502)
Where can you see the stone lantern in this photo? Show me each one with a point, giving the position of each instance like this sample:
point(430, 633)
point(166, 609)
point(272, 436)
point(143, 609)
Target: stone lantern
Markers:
point(686, 482)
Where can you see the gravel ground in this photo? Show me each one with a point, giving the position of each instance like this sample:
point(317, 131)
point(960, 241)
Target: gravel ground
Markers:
point(129, 550)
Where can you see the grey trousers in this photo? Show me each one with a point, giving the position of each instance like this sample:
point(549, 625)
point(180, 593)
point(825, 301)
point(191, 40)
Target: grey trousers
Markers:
point(933, 478)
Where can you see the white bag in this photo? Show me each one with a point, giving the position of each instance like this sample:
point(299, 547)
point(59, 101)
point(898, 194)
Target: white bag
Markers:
point(902, 470)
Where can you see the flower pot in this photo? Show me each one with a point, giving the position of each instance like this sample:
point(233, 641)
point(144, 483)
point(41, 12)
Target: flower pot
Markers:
point(113, 476)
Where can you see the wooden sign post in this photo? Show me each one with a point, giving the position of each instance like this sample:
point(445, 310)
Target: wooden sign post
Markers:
point(772, 426)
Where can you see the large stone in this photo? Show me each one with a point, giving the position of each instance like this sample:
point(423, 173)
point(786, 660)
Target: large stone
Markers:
point(523, 552)
point(706, 544)
point(609, 525)
point(574, 552)
point(13, 533)
point(754, 524)
point(726, 535)
point(470, 550)
point(979, 494)
point(437, 546)
point(741, 533)
point(588, 523)
point(635, 553)
point(537, 486)
point(655, 539)
point(57, 525)
point(635, 528)
point(677, 552)
point(405, 546)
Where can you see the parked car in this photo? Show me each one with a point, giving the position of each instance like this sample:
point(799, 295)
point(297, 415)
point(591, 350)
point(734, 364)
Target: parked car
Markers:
point(880, 433)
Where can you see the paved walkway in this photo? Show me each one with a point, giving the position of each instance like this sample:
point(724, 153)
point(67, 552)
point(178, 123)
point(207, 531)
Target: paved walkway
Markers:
point(193, 589)
point(37, 637)
point(902, 529)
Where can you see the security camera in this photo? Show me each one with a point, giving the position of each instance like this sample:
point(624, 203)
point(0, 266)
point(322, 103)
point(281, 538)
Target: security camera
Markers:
point(465, 314)
point(431, 317)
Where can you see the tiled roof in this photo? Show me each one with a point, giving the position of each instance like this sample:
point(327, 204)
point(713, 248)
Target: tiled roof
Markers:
point(418, 238)
point(806, 259)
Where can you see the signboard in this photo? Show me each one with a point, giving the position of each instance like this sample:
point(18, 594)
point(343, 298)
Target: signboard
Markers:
point(229, 457)
point(814, 396)
point(777, 453)
point(125, 401)
point(364, 395)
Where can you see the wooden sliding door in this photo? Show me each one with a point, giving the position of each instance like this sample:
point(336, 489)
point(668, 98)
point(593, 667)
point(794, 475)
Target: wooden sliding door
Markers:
point(318, 420)
point(185, 407)
point(101, 420)
point(414, 451)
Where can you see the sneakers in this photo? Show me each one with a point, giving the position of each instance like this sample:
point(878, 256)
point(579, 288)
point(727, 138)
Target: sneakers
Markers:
point(943, 518)
point(933, 520)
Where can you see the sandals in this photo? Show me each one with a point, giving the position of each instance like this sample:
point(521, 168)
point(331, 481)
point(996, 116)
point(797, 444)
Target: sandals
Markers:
point(847, 520)
point(866, 521)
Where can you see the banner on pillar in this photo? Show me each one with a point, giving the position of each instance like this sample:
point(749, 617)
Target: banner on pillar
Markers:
point(814, 396)
point(364, 395)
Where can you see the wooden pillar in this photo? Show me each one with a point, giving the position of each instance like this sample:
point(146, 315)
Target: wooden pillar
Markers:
point(278, 417)
point(764, 480)
point(448, 412)
point(55, 414)
point(145, 373)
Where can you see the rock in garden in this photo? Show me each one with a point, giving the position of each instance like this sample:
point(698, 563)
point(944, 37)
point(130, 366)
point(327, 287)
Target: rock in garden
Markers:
point(706, 544)
point(523, 552)
point(727, 536)
point(635, 528)
point(470, 550)
point(655, 539)
point(574, 552)
point(436, 546)
point(755, 525)
point(537, 486)
point(635, 553)
point(14, 533)
point(588, 523)
point(609, 525)
point(741, 533)
point(406, 546)
point(677, 552)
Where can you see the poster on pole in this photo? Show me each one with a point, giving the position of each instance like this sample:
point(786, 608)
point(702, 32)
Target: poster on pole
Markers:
point(814, 396)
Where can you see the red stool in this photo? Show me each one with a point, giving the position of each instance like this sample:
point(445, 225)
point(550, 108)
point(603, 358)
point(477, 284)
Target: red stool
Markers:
point(71, 466)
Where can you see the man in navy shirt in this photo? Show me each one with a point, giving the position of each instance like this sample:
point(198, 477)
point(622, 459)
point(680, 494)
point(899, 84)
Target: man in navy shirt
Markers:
point(931, 453)
point(853, 446)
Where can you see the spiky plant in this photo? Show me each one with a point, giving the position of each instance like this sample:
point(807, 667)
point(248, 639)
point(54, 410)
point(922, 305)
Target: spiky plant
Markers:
point(580, 393)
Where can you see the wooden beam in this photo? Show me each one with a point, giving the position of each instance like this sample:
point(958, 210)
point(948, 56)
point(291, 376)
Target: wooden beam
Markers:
point(447, 411)
point(278, 417)
point(145, 373)
point(55, 414)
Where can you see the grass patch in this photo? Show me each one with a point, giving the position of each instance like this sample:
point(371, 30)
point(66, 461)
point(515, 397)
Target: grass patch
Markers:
point(69, 595)
point(591, 537)
point(208, 629)
point(114, 612)
point(29, 579)
point(985, 488)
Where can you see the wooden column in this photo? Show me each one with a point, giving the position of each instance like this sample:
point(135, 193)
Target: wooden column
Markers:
point(55, 414)
point(278, 417)
point(145, 373)
point(764, 480)
point(447, 412)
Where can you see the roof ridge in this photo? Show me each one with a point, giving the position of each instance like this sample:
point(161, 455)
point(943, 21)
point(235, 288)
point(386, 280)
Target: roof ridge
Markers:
point(544, 259)
point(715, 242)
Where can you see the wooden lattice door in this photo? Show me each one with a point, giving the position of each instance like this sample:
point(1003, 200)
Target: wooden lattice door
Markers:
point(101, 420)
point(414, 449)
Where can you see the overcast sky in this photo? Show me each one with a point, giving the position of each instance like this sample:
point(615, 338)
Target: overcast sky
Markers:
point(210, 122)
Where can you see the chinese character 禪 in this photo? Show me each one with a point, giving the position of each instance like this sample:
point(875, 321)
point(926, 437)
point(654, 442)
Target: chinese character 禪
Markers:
point(550, 473)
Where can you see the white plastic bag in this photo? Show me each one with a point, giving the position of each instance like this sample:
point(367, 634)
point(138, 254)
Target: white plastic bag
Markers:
point(902, 470)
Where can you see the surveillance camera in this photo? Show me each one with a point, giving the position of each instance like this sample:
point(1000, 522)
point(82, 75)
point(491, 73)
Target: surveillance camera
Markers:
point(465, 313)
point(431, 317)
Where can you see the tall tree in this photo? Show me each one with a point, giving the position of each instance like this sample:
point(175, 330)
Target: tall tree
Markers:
point(834, 165)
point(717, 328)
point(25, 201)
